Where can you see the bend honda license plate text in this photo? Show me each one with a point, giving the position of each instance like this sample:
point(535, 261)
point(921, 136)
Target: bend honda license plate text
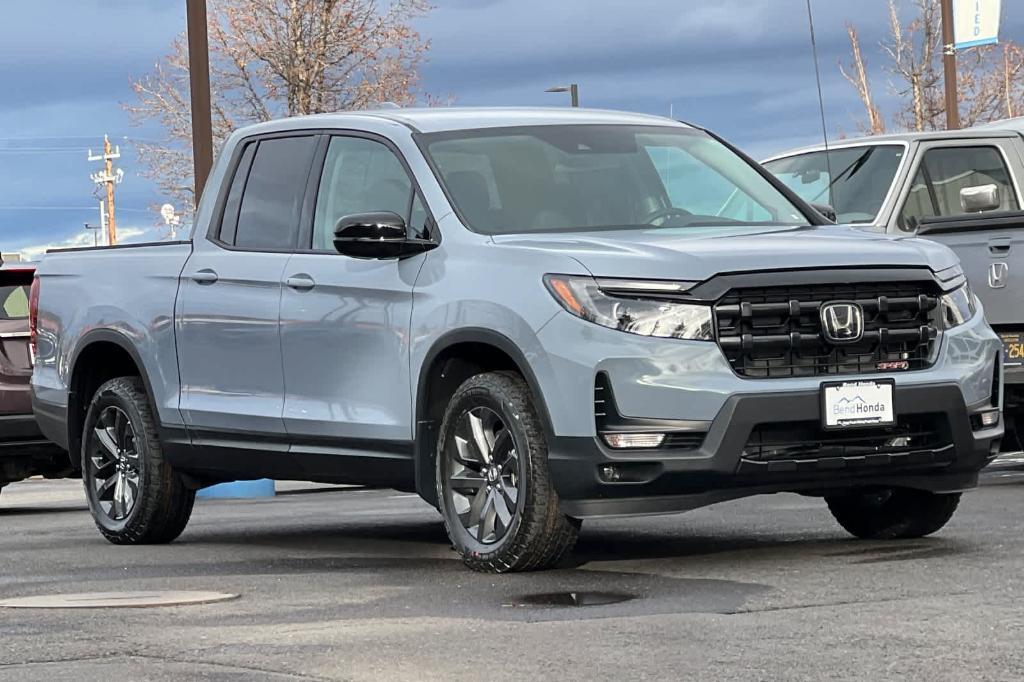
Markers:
point(857, 403)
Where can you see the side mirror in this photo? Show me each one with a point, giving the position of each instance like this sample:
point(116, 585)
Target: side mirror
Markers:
point(827, 211)
point(980, 198)
point(376, 235)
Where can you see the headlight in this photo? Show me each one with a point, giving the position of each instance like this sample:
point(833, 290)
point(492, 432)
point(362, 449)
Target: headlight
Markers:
point(957, 306)
point(582, 297)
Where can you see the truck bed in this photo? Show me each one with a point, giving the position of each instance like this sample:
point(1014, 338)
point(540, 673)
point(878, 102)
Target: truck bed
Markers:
point(117, 295)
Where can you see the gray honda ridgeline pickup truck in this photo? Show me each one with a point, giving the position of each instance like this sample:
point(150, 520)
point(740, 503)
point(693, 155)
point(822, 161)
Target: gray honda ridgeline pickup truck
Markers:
point(528, 316)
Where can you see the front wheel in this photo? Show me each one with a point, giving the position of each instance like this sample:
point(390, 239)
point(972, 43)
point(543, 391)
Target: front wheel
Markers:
point(494, 490)
point(134, 495)
point(893, 513)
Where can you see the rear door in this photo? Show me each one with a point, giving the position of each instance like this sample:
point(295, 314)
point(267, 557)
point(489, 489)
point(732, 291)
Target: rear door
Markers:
point(229, 340)
point(992, 257)
point(15, 359)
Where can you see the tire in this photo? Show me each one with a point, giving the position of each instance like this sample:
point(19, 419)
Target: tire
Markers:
point(893, 514)
point(519, 526)
point(122, 459)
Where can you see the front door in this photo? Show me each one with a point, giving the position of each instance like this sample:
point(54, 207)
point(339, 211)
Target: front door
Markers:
point(229, 341)
point(345, 321)
point(992, 256)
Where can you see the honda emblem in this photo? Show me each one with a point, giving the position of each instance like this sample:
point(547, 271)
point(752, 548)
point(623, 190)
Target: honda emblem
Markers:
point(998, 273)
point(842, 321)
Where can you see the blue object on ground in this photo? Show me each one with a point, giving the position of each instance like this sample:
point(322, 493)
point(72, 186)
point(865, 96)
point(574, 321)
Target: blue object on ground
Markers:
point(239, 489)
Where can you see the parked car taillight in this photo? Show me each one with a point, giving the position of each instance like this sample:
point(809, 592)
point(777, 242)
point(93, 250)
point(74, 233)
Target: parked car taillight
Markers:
point(33, 316)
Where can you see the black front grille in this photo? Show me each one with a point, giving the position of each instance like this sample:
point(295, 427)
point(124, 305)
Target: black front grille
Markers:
point(915, 439)
point(770, 332)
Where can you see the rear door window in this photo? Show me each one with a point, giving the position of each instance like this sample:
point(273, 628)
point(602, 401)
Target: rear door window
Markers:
point(944, 171)
point(271, 204)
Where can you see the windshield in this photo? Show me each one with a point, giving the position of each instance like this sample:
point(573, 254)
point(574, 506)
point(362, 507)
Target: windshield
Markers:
point(592, 177)
point(856, 185)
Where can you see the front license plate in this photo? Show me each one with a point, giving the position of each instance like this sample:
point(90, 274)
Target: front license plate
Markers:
point(857, 403)
point(1013, 348)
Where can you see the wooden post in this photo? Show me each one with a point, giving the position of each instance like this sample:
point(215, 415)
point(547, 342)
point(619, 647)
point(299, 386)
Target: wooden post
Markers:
point(199, 85)
point(949, 66)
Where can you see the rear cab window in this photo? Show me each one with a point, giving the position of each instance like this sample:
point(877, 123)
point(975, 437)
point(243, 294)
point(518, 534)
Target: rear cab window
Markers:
point(944, 171)
point(263, 208)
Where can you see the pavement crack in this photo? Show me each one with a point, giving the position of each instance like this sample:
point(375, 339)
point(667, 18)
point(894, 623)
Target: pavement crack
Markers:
point(235, 666)
point(850, 602)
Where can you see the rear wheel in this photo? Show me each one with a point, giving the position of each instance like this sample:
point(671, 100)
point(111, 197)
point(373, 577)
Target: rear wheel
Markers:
point(494, 491)
point(893, 513)
point(135, 497)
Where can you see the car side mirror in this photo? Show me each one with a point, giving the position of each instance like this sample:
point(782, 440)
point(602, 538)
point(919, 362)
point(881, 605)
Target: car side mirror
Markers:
point(827, 211)
point(980, 198)
point(381, 234)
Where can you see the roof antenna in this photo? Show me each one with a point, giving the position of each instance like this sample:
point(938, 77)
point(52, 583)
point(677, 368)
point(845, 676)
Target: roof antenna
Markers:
point(821, 100)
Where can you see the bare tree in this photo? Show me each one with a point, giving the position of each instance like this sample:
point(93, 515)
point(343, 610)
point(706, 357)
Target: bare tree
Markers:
point(989, 87)
point(857, 75)
point(272, 58)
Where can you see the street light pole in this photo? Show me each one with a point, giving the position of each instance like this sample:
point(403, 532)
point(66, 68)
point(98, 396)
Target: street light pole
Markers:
point(199, 85)
point(573, 89)
point(949, 66)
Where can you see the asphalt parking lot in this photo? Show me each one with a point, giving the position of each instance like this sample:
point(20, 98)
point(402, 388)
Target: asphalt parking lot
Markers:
point(348, 583)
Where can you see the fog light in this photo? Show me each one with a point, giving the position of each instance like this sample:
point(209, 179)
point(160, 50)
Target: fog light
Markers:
point(609, 473)
point(990, 418)
point(634, 440)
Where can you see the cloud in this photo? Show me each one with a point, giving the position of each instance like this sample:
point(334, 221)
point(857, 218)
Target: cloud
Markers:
point(34, 252)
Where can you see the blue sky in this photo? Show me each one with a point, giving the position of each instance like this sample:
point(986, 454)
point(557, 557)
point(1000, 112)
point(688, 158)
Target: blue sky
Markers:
point(740, 67)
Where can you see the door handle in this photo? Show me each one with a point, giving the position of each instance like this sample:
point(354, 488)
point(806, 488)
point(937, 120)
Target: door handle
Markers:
point(204, 277)
point(999, 246)
point(300, 282)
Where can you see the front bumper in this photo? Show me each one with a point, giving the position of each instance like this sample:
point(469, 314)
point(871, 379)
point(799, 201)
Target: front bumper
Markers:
point(666, 480)
point(691, 383)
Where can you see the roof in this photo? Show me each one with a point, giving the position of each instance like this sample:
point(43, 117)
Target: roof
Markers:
point(439, 119)
point(989, 130)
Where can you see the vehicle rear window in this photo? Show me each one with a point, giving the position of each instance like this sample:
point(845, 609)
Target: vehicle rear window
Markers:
point(854, 181)
point(15, 302)
point(268, 217)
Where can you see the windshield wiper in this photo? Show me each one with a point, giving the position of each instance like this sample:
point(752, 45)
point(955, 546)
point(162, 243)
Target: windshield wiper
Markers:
point(849, 171)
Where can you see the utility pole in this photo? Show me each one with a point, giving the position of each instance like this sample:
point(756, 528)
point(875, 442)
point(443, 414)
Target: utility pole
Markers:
point(949, 66)
point(109, 176)
point(199, 87)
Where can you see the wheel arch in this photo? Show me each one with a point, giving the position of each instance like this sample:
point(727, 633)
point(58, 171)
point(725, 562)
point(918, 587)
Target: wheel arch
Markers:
point(453, 358)
point(101, 355)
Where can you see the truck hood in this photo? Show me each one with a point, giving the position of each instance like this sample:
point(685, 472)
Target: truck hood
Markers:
point(697, 254)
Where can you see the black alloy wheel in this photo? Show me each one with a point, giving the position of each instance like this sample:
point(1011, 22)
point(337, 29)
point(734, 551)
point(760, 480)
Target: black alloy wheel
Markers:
point(114, 465)
point(483, 475)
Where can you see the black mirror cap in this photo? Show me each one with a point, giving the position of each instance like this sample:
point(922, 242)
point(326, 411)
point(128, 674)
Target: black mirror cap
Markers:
point(381, 234)
point(827, 211)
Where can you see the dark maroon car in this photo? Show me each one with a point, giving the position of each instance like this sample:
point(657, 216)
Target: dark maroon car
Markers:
point(23, 450)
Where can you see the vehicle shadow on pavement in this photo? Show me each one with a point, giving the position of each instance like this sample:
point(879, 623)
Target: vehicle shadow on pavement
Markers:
point(26, 511)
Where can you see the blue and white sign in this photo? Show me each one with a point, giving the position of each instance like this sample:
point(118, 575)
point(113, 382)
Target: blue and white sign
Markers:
point(975, 22)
